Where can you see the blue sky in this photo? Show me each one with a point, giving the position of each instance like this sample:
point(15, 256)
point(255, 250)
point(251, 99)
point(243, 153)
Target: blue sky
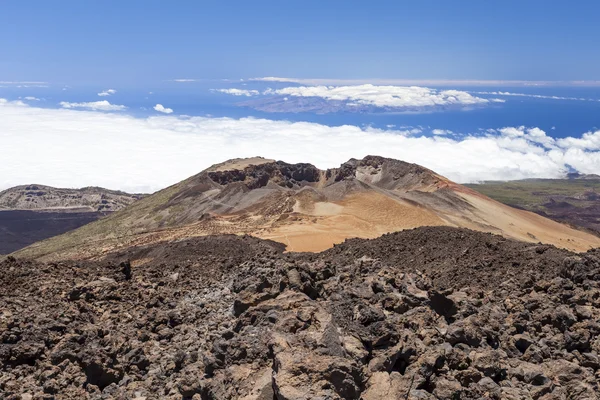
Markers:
point(137, 42)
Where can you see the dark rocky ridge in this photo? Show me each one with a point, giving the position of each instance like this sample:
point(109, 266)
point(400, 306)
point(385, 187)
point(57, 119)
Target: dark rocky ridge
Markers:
point(256, 176)
point(297, 175)
point(430, 313)
point(88, 199)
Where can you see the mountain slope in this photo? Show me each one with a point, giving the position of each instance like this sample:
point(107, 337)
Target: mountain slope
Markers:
point(575, 201)
point(306, 208)
point(30, 213)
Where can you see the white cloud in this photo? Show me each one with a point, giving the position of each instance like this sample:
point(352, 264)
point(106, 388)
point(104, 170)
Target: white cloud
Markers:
point(31, 98)
point(512, 131)
point(441, 132)
point(424, 82)
point(588, 141)
point(103, 105)
point(162, 109)
point(237, 92)
point(14, 103)
point(385, 96)
point(533, 135)
point(71, 148)
point(323, 99)
point(185, 80)
point(108, 92)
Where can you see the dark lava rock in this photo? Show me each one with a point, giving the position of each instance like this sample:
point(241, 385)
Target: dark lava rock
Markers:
point(430, 313)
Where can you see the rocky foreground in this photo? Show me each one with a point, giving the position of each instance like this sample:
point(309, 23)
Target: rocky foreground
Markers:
point(430, 313)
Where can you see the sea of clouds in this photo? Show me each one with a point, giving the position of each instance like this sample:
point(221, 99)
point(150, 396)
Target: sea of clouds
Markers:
point(67, 147)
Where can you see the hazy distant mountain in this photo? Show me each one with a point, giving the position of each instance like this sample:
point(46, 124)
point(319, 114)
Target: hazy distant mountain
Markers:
point(307, 209)
point(30, 213)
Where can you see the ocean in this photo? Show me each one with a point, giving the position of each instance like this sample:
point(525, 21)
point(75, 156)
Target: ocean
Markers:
point(559, 116)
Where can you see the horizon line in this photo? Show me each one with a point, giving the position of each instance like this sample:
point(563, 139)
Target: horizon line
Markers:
point(432, 82)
